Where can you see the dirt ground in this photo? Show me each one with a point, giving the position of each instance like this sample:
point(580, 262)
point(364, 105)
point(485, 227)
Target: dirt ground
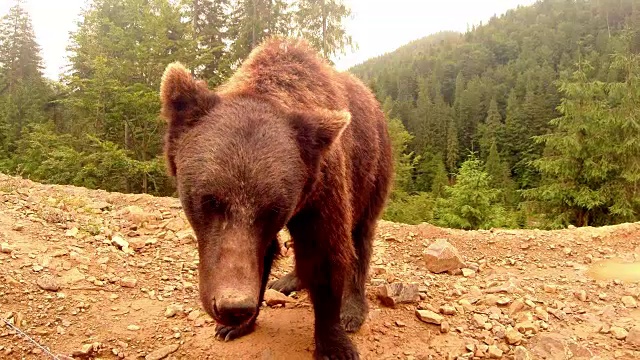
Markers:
point(92, 274)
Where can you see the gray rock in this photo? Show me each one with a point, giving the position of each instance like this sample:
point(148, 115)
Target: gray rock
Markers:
point(398, 293)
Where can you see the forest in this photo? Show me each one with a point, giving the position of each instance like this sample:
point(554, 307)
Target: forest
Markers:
point(529, 120)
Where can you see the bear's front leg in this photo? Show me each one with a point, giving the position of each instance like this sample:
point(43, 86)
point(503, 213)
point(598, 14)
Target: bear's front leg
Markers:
point(228, 333)
point(324, 253)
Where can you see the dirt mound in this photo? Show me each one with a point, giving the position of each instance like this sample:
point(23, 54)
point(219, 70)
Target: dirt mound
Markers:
point(92, 274)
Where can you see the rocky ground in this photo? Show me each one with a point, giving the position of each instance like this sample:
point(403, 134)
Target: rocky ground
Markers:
point(91, 274)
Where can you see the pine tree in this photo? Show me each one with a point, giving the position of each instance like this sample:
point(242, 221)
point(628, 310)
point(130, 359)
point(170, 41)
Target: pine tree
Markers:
point(491, 130)
point(251, 21)
point(471, 202)
point(591, 164)
point(23, 92)
point(452, 147)
point(440, 178)
point(210, 22)
point(322, 23)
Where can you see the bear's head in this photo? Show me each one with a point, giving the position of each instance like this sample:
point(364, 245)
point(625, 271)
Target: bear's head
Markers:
point(241, 166)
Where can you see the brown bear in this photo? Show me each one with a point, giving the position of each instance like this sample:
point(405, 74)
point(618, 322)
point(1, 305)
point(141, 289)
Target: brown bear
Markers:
point(287, 141)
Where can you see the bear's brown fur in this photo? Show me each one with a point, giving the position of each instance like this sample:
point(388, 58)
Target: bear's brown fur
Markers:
point(286, 141)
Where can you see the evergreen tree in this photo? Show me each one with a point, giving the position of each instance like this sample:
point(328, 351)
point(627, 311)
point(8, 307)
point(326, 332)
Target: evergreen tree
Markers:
point(491, 130)
point(210, 21)
point(321, 22)
point(591, 165)
point(23, 92)
point(440, 179)
point(254, 20)
point(471, 202)
point(452, 146)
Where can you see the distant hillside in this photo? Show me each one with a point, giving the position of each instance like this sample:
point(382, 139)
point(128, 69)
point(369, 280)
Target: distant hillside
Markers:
point(498, 85)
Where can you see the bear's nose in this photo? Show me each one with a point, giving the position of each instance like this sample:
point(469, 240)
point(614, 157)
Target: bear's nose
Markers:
point(234, 310)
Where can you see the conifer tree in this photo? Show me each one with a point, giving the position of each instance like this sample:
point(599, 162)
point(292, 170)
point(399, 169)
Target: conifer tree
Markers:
point(322, 23)
point(23, 91)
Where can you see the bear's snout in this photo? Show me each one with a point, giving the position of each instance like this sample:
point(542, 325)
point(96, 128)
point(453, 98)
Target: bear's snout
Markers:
point(232, 310)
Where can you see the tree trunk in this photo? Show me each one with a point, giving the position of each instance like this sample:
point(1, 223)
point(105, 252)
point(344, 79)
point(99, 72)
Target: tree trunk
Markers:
point(324, 29)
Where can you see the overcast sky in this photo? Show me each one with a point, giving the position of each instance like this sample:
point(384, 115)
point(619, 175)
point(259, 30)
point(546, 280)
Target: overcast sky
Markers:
point(378, 26)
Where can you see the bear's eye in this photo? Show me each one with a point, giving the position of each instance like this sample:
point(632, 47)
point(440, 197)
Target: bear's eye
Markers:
point(211, 205)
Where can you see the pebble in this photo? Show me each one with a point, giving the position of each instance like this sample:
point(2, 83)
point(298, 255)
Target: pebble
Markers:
point(429, 316)
point(48, 282)
point(194, 314)
point(521, 353)
point(581, 295)
point(513, 337)
point(273, 297)
point(618, 332)
point(495, 352)
point(162, 352)
point(128, 282)
point(633, 337)
point(396, 293)
point(629, 302)
point(447, 310)
point(133, 327)
point(5, 248)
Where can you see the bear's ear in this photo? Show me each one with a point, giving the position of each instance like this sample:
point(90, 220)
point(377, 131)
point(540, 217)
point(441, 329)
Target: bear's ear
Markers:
point(184, 100)
point(317, 130)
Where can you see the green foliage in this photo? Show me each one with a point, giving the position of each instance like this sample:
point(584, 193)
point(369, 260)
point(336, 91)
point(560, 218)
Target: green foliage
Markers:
point(100, 127)
point(493, 90)
point(571, 150)
point(321, 22)
point(471, 203)
point(591, 164)
point(409, 209)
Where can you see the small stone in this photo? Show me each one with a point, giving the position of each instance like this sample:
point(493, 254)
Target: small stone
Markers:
point(273, 297)
point(441, 257)
point(513, 337)
point(194, 314)
point(87, 350)
point(468, 273)
point(128, 282)
point(633, 337)
point(400, 323)
point(542, 314)
point(73, 232)
point(521, 353)
point(398, 293)
point(5, 248)
point(120, 242)
point(137, 243)
point(549, 288)
point(445, 327)
point(495, 352)
point(447, 310)
point(171, 311)
point(480, 319)
point(137, 215)
point(516, 306)
point(581, 295)
point(162, 352)
point(550, 346)
point(48, 282)
point(18, 227)
point(629, 302)
point(429, 316)
point(133, 327)
point(618, 333)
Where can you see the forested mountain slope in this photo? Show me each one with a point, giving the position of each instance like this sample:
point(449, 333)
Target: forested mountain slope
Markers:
point(496, 88)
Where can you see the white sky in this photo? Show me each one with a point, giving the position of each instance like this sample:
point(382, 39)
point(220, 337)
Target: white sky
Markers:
point(378, 26)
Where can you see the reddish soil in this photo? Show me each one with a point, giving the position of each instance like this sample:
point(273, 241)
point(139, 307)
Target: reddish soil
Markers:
point(533, 294)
